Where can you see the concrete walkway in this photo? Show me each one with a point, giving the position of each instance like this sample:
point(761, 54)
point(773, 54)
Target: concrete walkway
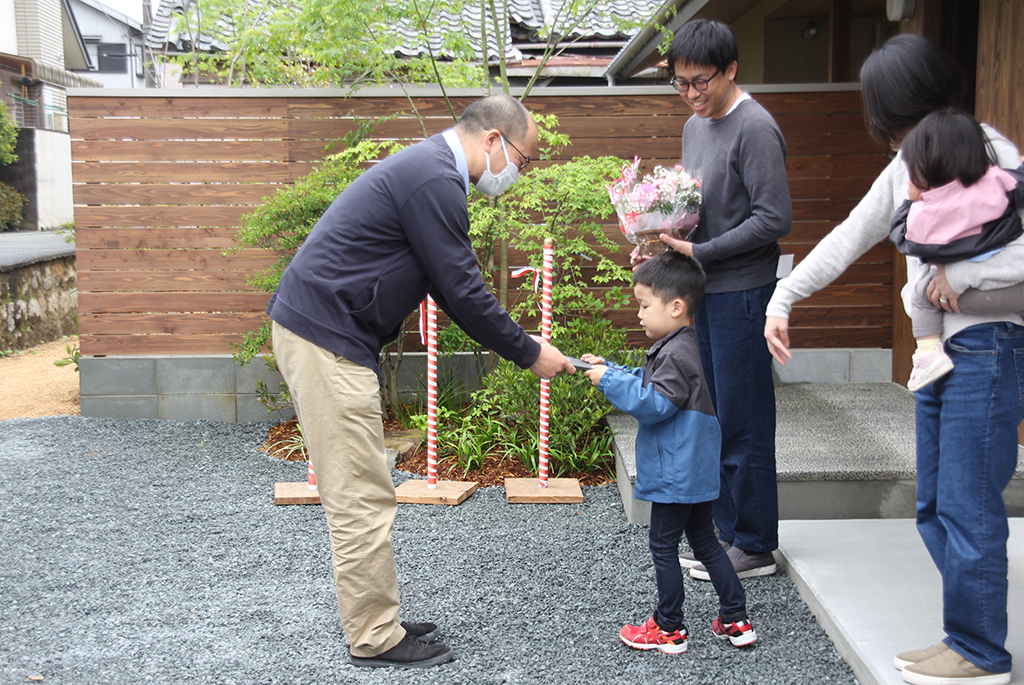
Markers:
point(846, 472)
point(874, 589)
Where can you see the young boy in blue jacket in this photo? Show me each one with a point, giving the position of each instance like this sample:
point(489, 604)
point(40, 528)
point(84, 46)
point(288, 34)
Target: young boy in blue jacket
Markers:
point(678, 447)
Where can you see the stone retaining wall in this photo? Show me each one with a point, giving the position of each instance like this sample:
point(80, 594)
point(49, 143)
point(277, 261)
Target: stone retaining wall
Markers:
point(38, 303)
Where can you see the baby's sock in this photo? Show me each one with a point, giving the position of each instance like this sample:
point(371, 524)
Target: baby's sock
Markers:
point(925, 345)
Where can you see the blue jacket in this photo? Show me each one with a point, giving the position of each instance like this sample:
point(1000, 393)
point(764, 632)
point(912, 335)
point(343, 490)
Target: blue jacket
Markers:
point(679, 442)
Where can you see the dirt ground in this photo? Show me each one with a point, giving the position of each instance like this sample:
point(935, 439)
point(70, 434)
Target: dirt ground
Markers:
point(31, 386)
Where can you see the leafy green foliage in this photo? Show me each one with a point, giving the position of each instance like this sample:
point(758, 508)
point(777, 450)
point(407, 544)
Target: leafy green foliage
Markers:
point(321, 43)
point(504, 414)
point(564, 202)
point(8, 137)
point(74, 354)
point(12, 206)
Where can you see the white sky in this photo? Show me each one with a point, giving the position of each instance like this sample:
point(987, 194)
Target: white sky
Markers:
point(133, 8)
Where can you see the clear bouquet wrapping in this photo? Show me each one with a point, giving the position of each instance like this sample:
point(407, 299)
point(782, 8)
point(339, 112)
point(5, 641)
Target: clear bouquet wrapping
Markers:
point(664, 201)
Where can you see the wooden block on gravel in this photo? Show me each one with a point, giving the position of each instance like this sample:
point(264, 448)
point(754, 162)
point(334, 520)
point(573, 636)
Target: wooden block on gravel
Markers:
point(528, 490)
point(295, 493)
point(446, 492)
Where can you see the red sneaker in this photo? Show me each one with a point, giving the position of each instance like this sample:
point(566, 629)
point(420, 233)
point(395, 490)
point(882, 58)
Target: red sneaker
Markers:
point(650, 636)
point(740, 634)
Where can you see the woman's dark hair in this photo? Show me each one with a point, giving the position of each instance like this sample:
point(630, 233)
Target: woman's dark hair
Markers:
point(947, 145)
point(905, 80)
point(703, 42)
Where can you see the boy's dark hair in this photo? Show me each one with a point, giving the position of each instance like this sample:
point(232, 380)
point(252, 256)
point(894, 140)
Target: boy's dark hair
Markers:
point(703, 42)
point(672, 274)
point(904, 80)
point(947, 145)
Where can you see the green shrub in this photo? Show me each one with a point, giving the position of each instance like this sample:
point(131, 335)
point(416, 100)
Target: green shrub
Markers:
point(8, 137)
point(504, 414)
point(12, 205)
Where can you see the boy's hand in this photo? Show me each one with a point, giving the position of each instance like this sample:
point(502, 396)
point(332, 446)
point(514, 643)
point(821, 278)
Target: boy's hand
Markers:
point(592, 359)
point(595, 373)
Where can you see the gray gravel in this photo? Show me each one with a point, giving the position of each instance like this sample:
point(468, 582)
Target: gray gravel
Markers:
point(140, 551)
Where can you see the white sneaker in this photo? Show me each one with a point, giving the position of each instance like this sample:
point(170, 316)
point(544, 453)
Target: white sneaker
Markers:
point(928, 368)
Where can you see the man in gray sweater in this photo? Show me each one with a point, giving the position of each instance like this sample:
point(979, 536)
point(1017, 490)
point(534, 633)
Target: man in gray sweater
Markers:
point(739, 151)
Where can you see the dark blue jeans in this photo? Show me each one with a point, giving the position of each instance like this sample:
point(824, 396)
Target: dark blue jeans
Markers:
point(668, 524)
point(738, 370)
point(966, 454)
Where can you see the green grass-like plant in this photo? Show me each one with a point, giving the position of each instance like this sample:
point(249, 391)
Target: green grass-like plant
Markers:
point(503, 416)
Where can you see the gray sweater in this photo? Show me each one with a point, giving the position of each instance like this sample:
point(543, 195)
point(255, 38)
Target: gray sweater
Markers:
point(868, 224)
point(746, 206)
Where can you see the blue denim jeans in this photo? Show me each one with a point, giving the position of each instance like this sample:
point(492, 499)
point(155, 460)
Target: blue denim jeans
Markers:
point(966, 454)
point(738, 370)
point(668, 524)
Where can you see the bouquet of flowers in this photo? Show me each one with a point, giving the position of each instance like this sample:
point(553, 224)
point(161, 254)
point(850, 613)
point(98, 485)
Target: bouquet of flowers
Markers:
point(665, 201)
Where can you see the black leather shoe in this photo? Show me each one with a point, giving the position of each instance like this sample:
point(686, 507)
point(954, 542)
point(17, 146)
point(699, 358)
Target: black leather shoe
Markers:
point(409, 653)
point(424, 632)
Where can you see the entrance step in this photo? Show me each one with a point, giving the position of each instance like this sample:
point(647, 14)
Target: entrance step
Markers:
point(843, 450)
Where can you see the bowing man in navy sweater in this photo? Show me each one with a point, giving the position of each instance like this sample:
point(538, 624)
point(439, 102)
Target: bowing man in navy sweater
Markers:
point(397, 233)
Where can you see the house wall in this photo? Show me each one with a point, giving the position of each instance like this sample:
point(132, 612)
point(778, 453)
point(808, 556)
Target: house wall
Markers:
point(97, 28)
point(40, 31)
point(8, 30)
point(1000, 74)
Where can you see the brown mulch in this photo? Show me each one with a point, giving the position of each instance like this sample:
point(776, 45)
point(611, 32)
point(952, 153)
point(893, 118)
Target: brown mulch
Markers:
point(495, 470)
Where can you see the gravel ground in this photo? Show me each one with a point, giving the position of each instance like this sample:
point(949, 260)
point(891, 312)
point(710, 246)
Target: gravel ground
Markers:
point(140, 551)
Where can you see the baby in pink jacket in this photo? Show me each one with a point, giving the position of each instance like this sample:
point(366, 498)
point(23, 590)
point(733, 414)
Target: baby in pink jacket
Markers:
point(961, 207)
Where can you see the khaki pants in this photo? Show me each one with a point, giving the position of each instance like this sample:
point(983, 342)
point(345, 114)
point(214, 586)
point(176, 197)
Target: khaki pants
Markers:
point(338, 407)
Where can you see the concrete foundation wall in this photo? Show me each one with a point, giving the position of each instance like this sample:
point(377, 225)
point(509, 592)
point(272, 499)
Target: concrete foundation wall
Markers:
point(214, 387)
point(38, 303)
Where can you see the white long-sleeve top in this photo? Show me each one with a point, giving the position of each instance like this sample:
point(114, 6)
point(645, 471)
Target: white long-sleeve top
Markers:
point(868, 224)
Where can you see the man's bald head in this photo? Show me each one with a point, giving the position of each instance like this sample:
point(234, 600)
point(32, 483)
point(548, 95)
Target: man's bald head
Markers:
point(502, 112)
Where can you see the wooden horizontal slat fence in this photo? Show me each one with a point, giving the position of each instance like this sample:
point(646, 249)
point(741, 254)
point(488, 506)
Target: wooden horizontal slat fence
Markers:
point(161, 182)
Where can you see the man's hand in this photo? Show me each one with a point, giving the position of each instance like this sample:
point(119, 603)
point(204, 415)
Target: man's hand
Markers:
point(678, 245)
point(941, 294)
point(551, 362)
point(776, 332)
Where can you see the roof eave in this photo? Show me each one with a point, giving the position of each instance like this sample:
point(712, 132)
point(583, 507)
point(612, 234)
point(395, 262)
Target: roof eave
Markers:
point(639, 53)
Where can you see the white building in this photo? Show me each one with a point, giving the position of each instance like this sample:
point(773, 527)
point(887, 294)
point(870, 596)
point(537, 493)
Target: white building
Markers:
point(39, 45)
point(113, 41)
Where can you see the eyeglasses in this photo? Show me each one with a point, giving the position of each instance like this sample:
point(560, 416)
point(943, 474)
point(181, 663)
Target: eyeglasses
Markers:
point(700, 84)
point(526, 157)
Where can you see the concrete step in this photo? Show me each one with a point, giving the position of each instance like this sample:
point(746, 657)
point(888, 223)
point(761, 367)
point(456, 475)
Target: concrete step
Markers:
point(876, 592)
point(843, 450)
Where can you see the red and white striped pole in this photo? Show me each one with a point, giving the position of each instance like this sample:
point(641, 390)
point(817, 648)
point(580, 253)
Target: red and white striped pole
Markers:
point(545, 385)
point(310, 476)
point(431, 393)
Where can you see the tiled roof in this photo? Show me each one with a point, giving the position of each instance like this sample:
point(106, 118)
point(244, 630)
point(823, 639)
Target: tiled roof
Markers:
point(527, 19)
